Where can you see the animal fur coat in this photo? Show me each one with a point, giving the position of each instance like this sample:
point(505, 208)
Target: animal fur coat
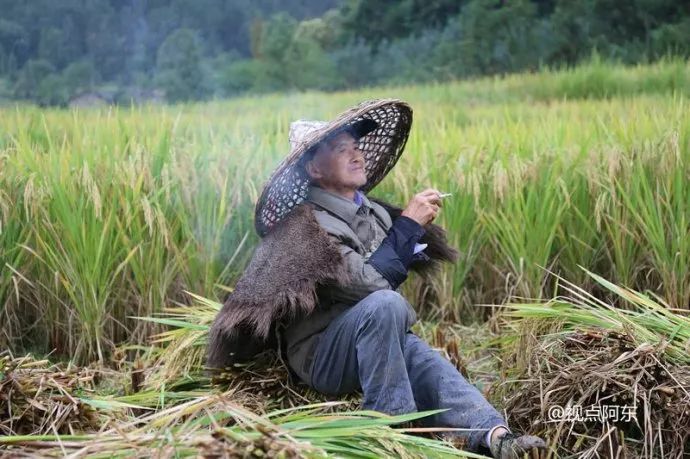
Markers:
point(280, 282)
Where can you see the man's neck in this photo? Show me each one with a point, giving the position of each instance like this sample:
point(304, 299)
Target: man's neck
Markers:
point(347, 193)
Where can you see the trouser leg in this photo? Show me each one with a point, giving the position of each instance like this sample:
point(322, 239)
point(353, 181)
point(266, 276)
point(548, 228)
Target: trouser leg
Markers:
point(363, 348)
point(436, 383)
point(369, 347)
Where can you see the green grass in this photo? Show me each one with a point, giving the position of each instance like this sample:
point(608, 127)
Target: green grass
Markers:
point(112, 214)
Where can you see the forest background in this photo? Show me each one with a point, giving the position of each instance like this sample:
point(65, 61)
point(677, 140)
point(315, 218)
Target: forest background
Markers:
point(181, 50)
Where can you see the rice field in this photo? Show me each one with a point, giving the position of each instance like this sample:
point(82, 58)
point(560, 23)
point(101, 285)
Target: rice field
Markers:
point(121, 230)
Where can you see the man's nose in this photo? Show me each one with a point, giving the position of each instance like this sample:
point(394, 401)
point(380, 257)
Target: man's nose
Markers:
point(357, 153)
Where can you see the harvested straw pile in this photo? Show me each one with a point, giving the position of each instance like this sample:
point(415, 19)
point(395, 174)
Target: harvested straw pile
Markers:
point(37, 397)
point(262, 385)
point(267, 384)
point(214, 425)
point(599, 381)
point(592, 391)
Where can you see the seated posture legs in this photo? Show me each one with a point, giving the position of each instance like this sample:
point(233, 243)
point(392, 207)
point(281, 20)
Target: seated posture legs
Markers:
point(370, 347)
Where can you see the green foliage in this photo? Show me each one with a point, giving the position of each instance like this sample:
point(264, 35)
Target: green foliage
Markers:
point(378, 20)
point(39, 81)
point(30, 78)
point(523, 222)
point(179, 67)
point(307, 65)
point(239, 76)
point(497, 39)
point(57, 44)
point(671, 38)
point(326, 45)
point(288, 55)
point(80, 75)
point(52, 91)
point(13, 42)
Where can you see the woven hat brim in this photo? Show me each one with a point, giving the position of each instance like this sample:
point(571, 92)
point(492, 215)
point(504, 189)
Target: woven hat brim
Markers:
point(382, 146)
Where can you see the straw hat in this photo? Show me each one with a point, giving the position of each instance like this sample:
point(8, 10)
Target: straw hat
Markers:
point(382, 127)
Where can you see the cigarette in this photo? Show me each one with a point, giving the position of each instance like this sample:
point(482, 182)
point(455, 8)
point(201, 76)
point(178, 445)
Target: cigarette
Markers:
point(444, 195)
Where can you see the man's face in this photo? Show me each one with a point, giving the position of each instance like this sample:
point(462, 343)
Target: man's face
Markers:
point(339, 164)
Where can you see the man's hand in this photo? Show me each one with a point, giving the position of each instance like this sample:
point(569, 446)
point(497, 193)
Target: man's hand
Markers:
point(424, 206)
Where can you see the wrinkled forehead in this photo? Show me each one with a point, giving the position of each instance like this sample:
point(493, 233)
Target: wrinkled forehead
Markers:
point(333, 142)
point(342, 138)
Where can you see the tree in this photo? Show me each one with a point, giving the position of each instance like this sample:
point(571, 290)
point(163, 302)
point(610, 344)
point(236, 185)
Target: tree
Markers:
point(179, 67)
point(377, 20)
point(52, 90)
point(497, 37)
point(30, 77)
point(272, 40)
point(13, 42)
point(325, 44)
point(79, 76)
point(58, 46)
point(239, 76)
point(290, 55)
point(307, 65)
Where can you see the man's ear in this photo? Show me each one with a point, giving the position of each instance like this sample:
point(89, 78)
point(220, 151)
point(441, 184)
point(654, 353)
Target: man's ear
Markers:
point(313, 170)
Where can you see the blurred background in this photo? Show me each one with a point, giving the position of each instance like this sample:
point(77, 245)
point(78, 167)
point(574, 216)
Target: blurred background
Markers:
point(90, 52)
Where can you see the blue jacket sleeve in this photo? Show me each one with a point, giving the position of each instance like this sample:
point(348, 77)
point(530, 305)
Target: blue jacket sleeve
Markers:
point(396, 252)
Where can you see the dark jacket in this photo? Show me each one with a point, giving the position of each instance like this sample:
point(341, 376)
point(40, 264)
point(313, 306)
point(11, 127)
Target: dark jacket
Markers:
point(313, 257)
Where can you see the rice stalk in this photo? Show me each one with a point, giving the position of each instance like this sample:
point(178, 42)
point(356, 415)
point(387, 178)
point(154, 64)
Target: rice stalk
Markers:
point(214, 425)
point(648, 321)
point(586, 355)
point(170, 191)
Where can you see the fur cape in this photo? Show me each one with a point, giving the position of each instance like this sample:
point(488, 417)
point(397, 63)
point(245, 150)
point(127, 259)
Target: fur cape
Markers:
point(280, 282)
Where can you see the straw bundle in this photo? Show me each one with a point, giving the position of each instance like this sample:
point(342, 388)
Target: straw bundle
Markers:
point(37, 397)
point(599, 381)
point(596, 394)
point(214, 425)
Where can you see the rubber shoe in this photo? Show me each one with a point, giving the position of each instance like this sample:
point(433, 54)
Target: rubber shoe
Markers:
point(510, 446)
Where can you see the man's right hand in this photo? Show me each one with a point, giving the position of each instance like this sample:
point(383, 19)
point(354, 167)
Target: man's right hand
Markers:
point(424, 206)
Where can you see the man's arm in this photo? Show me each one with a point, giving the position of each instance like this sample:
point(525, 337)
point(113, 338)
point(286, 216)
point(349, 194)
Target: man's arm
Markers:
point(364, 278)
point(386, 268)
point(396, 252)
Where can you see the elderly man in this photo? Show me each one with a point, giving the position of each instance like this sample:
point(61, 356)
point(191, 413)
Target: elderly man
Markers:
point(358, 335)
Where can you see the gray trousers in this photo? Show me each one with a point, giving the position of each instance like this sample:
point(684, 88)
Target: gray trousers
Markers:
point(370, 347)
